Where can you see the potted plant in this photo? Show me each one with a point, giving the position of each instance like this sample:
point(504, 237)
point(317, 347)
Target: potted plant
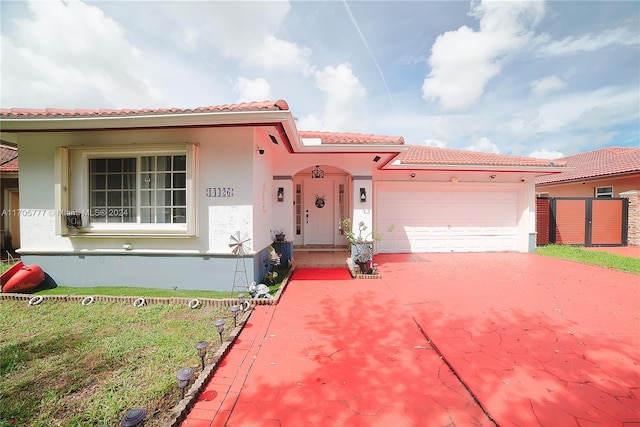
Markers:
point(361, 244)
point(279, 234)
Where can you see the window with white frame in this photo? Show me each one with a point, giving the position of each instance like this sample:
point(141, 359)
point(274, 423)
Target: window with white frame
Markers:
point(132, 191)
point(604, 192)
point(142, 189)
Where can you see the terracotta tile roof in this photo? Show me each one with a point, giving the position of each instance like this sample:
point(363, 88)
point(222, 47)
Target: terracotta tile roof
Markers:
point(603, 162)
point(27, 113)
point(351, 138)
point(8, 159)
point(423, 155)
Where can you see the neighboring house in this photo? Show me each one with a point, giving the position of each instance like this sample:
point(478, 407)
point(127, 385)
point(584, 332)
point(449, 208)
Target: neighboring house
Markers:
point(9, 200)
point(606, 173)
point(155, 195)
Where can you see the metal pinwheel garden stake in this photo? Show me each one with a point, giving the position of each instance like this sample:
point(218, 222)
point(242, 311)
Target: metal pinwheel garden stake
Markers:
point(239, 245)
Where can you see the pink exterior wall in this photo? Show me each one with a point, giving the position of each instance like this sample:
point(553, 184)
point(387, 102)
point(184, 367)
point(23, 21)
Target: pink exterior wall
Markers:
point(587, 188)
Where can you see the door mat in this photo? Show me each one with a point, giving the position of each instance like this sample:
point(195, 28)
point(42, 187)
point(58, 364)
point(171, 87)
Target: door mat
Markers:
point(321, 274)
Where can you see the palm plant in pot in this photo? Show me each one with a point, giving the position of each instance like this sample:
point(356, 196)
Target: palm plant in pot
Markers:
point(361, 244)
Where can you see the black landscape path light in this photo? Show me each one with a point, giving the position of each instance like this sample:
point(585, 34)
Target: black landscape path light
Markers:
point(219, 324)
point(235, 309)
point(201, 346)
point(184, 375)
point(134, 418)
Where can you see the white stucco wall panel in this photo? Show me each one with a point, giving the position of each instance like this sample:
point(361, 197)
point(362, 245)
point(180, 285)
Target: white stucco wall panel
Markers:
point(225, 221)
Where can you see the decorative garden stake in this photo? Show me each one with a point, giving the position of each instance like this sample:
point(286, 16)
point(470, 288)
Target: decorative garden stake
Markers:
point(235, 309)
point(134, 417)
point(219, 324)
point(184, 375)
point(201, 346)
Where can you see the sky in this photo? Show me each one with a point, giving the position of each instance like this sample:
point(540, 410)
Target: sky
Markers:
point(530, 78)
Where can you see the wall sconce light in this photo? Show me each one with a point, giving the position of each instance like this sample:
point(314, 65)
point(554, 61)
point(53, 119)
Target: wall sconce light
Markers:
point(134, 417)
point(201, 346)
point(281, 194)
point(413, 175)
point(219, 324)
point(376, 159)
point(492, 177)
point(184, 376)
point(260, 150)
point(363, 194)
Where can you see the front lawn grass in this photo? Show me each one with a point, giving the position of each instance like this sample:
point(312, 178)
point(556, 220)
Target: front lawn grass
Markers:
point(601, 259)
point(64, 364)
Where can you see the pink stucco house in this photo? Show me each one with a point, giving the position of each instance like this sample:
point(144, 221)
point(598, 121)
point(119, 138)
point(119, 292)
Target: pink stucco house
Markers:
point(156, 194)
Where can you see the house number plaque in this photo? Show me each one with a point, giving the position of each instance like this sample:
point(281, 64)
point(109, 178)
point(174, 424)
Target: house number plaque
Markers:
point(219, 192)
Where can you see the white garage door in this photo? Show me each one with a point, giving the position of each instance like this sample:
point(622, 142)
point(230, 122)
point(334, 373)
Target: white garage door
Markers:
point(447, 219)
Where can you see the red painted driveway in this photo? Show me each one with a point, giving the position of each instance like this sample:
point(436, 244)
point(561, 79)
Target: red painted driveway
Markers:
point(534, 340)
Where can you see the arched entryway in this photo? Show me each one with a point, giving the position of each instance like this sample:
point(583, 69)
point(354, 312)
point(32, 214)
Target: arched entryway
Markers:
point(322, 202)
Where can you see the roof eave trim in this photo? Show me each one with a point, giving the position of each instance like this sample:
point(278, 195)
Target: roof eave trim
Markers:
point(142, 121)
point(351, 148)
point(591, 178)
point(482, 168)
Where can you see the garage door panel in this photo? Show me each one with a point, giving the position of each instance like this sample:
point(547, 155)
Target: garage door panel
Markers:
point(447, 221)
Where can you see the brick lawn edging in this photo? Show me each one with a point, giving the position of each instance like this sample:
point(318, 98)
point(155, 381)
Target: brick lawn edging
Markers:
point(206, 302)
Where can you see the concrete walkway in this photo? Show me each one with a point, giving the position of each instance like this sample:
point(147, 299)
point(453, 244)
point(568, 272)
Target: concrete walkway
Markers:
point(440, 340)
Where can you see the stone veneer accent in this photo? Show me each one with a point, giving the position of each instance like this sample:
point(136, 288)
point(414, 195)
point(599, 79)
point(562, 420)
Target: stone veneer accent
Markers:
point(633, 236)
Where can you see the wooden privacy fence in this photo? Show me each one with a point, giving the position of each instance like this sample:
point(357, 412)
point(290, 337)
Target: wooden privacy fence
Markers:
point(584, 221)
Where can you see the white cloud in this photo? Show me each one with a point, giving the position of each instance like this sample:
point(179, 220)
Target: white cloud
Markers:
point(591, 42)
point(310, 122)
point(71, 55)
point(463, 61)
point(546, 154)
point(343, 90)
point(599, 108)
point(484, 145)
point(244, 31)
point(547, 84)
point(188, 39)
point(276, 54)
point(253, 89)
point(435, 143)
